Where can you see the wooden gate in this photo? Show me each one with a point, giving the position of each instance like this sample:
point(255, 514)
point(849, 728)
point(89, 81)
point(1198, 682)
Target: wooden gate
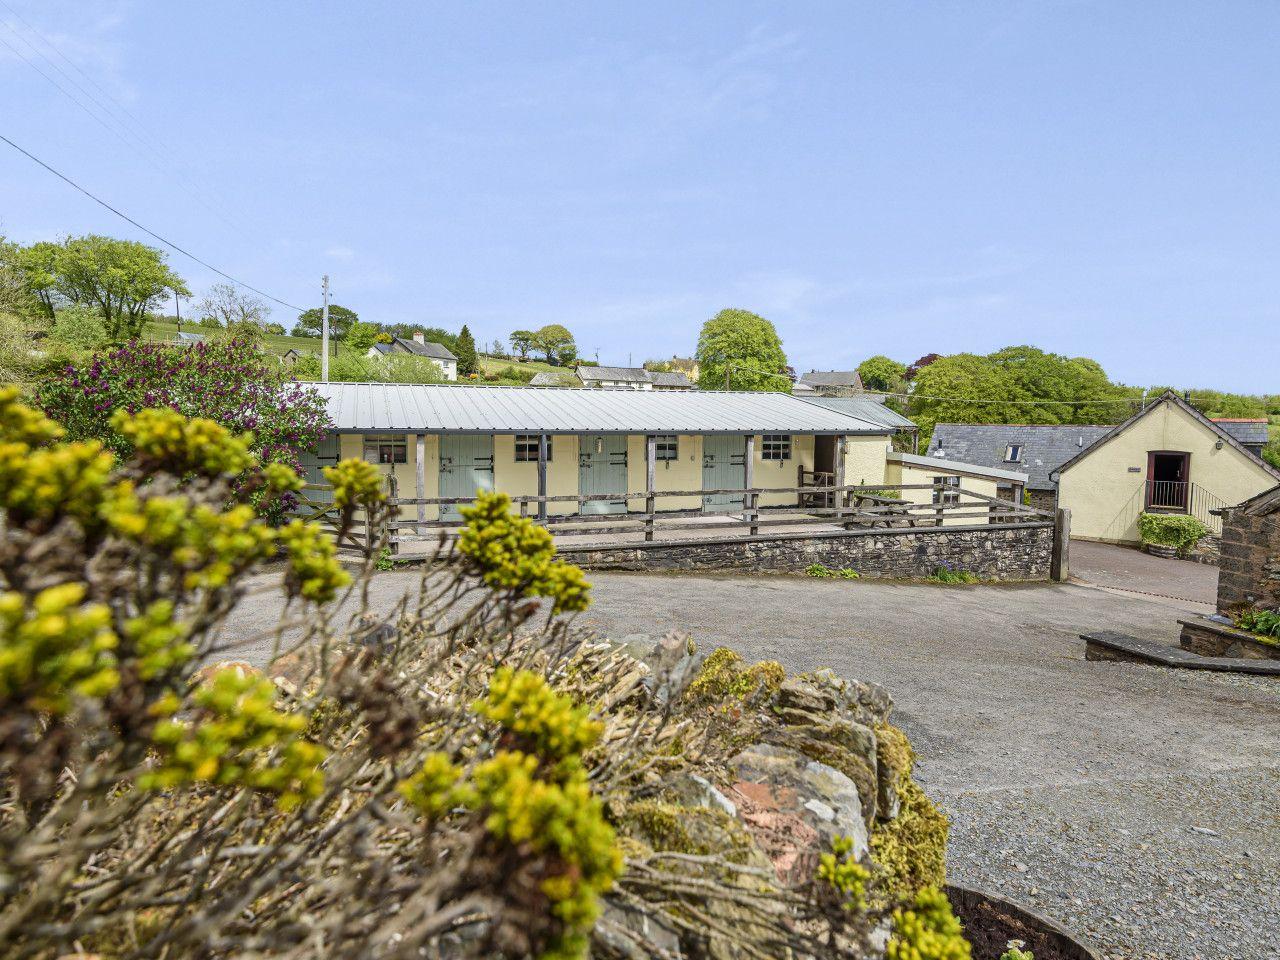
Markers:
point(724, 467)
point(466, 466)
point(602, 468)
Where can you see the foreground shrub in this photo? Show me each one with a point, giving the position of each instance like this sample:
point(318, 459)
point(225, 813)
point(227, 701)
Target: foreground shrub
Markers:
point(465, 775)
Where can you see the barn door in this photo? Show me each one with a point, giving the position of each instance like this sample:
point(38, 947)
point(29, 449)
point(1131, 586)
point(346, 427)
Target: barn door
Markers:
point(326, 455)
point(724, 467)
point(602, 468)
point(466, 466)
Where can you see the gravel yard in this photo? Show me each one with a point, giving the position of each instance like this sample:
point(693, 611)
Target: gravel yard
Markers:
point(1136, 805)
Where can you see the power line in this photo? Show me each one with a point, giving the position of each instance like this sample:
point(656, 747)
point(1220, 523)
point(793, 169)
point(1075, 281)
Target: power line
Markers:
point(151, 233)
point(143, 148)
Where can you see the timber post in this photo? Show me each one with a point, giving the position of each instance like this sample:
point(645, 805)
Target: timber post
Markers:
point(650, 483)
point(420, 478)
point(543, 445)
point(1060, 564)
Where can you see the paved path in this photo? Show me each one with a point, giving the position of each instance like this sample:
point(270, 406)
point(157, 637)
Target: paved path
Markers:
point(1124, 568)
point(1080, 788)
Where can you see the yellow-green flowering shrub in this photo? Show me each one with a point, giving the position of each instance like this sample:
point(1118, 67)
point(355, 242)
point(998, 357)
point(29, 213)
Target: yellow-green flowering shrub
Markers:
point(845, 875)
point(928, 930)
point(166, 440)
point(546, 722)
point(314, 572)
point(515, 554)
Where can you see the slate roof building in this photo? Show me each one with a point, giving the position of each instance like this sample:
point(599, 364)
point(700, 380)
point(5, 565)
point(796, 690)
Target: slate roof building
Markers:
point(419, 346)
point(833, 383)
point(615, 378)
point(1253, 433)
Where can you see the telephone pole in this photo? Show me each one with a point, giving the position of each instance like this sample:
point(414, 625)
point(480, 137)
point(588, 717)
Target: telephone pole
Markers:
point(324, 332)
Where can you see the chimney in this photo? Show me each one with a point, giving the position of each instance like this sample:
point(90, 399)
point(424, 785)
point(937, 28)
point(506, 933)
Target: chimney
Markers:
point(419, 337)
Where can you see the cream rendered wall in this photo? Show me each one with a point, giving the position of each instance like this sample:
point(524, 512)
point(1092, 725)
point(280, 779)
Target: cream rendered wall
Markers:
point(1105, 497)
point(684, 473)
point(909, 474)
point(866, 460)
point(782, 473)
point(351, 446)
point(521, 479)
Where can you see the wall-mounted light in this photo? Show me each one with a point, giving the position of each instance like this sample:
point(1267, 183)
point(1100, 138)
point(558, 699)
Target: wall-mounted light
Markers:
point(599, 444)
point(1218, 445)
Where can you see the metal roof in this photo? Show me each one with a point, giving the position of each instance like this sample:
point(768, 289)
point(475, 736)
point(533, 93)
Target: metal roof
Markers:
point(956, 466)
point(436, 408)
point(832, 378)
point(865, 408)
point(1045, 447)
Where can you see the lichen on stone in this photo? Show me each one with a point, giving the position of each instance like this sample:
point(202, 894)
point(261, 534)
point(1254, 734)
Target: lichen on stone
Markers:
point(723, 676)
point(911, 848)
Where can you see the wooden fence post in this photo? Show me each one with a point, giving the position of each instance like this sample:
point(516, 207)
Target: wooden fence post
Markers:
point(1060, 564)
point(420, 479)
point(392, 541)
point(650, 483)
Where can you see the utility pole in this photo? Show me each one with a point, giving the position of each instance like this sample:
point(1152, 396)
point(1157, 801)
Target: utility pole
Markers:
point(324, 332)
point(177, 309)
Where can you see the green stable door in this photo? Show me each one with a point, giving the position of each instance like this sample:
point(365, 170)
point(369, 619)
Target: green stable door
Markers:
point(466, 466)
point(724, 467)
point(602, 468)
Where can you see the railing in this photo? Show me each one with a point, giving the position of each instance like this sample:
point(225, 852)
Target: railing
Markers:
point(1181, 496)
point(852, 507)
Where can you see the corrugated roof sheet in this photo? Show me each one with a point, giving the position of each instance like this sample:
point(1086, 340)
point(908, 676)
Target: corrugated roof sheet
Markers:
point(1045, 447)
point(431, 408)
point(865, 408)
point(1251, 432)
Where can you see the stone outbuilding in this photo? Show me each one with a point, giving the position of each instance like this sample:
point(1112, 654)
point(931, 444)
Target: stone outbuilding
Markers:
point(1249, 573)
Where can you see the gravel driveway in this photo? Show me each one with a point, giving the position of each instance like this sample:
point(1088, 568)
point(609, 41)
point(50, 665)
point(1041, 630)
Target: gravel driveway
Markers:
point(1134, 804)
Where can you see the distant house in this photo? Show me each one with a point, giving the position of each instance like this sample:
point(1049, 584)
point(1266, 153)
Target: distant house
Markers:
point(291, 356)
point(184, 339)
point(670, 380)
point(419, 346)
point(1167, 458)
point(833, 383)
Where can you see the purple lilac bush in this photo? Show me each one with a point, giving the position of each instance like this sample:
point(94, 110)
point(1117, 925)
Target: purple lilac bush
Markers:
point(230, 382)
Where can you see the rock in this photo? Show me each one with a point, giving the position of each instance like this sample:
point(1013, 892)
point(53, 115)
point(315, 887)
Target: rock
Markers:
point(849, 747)
point(691, 790)
point(673, 664)
point(803, 698)
point(637, 934)
point(795, 807)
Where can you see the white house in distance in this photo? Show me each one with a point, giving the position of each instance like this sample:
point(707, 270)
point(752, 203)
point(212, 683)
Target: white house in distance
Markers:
point(615, 378)
point(419, 346)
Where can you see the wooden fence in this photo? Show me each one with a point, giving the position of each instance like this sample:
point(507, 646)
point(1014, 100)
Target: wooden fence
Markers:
point(844, 507)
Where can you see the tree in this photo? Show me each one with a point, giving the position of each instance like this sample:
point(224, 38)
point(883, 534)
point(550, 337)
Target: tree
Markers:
point(17, 297)
point(311, 321)
point(122, 279)
point(556, 343)
point(468, 363)
point(882, 374)
point(231, 306)
point(230, 382)
point(361, 336)
point(522, 341)
point(38, 267)
point(277, 329)
point(920, 364)
point(79, 327)
point(741, 350)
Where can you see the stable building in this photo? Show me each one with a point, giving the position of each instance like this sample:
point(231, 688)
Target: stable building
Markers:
point(441, 441)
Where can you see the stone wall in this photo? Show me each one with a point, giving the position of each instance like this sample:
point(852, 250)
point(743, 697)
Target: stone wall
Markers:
point(1046, 500)
point(1249, 568)
point(1007, 552)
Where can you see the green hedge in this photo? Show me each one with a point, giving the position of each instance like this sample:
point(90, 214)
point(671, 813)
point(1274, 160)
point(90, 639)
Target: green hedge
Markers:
point(1171, 530)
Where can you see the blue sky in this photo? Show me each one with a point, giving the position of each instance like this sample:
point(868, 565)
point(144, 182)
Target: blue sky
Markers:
point(1098, 179)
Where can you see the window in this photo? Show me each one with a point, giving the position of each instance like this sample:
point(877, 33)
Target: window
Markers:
point(527, 448)
point(386, 450)
point(776, 446)
point(942, 494)
point(1013, 453)
point(666, 447)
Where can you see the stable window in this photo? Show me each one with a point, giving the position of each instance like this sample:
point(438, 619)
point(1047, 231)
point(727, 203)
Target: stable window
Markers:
point(666, 447)
point(1013, 453)
point(527, 448)
point(776, 446)
point(386, 450)
point(943, 492)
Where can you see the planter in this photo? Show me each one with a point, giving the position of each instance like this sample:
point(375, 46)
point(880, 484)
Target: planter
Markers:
point(990, 922)
point(1160, 550)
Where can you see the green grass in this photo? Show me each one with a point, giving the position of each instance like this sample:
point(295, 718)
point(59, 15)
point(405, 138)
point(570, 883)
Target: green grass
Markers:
point(272, 342)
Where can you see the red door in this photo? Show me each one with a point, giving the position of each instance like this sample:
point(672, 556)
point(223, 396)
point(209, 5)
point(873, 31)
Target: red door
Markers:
point(1168, 473)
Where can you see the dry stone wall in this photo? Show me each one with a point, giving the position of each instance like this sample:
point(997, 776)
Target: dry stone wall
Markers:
point(1006, 552)
point(1249, 568)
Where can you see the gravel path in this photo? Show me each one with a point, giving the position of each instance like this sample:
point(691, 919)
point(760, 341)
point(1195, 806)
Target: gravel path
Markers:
point(1082, 789)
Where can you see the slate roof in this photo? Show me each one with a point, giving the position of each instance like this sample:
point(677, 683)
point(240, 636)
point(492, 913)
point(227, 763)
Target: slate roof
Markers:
point(1251, 432)
point(673, 379)
point(1264, 504)
point(866, 408)
point(1045, 447)
point(833, 378)
point(621, 374)
point(437, 408)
